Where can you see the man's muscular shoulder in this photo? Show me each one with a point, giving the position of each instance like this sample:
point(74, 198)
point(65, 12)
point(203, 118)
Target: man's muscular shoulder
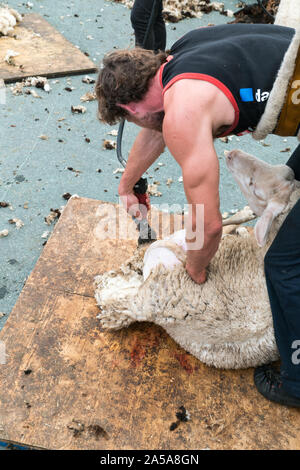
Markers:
point(193, 99)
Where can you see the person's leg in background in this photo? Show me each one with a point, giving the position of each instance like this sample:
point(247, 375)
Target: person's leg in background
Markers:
point(140, 16)
point(282, 269)
point(294, 162)
point(159, 28)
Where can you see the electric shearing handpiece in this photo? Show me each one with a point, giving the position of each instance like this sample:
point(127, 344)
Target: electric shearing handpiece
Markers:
point(146, 232)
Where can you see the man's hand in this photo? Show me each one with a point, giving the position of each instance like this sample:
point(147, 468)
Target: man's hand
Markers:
point(147, 147)
point(133, 207)
point(198, 277)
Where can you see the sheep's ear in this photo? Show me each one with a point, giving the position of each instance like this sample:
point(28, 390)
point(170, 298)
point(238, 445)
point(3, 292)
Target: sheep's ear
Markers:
point(264, 224)
point(262, 227)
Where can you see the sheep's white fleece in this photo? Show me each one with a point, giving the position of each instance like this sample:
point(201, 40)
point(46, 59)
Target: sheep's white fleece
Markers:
point(288, 15)
point(225, 322)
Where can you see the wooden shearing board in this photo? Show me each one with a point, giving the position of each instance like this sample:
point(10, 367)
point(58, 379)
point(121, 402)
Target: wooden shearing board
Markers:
point(68, 385)
point(42, 51)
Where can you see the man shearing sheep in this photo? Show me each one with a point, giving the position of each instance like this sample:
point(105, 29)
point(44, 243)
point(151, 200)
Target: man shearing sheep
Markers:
point(217, 81)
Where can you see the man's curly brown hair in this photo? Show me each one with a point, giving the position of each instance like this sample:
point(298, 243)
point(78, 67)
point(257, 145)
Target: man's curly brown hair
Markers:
point(124, 77)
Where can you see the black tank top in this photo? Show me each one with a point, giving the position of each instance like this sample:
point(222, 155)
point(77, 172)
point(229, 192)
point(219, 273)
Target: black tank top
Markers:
point(241, 59)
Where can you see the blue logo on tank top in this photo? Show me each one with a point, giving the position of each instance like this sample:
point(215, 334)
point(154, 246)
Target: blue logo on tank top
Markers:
point(246, 94)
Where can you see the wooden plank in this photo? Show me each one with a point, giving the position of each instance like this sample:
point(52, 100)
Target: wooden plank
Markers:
point(43, 51)
point(90, 389)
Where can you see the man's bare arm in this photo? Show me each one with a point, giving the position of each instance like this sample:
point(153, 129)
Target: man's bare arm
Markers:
point(188, 132)
point(147, 147)
point(201, 187)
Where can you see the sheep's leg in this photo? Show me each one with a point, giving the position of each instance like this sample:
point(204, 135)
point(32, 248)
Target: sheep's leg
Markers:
point(282, 268)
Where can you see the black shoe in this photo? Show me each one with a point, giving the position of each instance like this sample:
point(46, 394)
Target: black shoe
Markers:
point(268, 382)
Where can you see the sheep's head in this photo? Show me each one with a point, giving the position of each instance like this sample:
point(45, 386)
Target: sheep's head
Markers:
point(266, 187)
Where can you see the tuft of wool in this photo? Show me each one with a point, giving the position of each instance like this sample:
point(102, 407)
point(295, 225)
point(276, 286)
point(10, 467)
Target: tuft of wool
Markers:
point(9, 18)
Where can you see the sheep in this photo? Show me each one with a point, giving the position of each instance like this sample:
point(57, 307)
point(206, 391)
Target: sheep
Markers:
point(225, 322)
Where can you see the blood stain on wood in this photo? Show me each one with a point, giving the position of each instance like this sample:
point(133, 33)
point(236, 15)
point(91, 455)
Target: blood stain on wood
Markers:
point(184, 362)
point(137, 354)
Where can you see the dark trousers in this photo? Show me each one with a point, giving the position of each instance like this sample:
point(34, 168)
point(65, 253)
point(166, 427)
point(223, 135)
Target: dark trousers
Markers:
point(140, 15)
point(282, 269)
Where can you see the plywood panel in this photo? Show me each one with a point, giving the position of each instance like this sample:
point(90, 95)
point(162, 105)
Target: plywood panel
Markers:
point(42, 51)
point(69, 385)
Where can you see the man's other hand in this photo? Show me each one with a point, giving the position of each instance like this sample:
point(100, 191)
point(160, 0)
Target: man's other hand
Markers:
point(198, 276)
